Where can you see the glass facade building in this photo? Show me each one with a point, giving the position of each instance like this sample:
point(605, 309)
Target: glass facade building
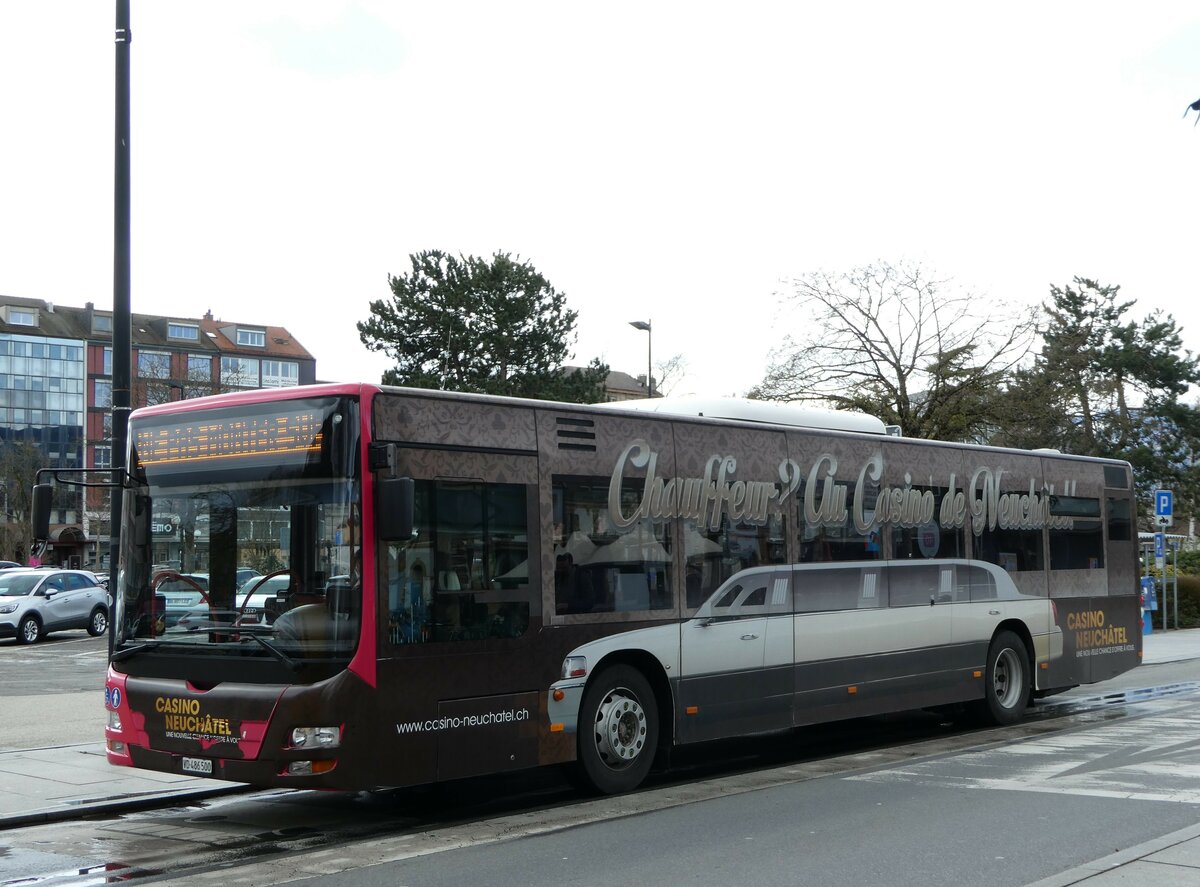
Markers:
point(42, 398)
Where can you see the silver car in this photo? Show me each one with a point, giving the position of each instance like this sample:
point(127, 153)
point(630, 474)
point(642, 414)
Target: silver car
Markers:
point(35, 602)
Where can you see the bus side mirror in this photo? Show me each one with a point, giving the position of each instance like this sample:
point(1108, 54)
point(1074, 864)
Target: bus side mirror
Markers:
point(394, 498)
point(42, 494)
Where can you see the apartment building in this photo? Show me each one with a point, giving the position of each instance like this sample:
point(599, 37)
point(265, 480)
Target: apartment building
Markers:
point(56, 393)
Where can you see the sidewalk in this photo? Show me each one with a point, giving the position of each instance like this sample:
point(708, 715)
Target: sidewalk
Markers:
point(71, 781)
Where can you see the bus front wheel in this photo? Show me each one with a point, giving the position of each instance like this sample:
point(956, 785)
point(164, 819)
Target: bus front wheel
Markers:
point(618, 730)
point(1006, 680)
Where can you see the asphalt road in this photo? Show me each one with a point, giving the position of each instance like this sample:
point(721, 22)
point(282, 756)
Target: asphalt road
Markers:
point(53, 691)
point(898, 801)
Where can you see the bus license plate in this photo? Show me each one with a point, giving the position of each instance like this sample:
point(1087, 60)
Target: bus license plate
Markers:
point(197, 765)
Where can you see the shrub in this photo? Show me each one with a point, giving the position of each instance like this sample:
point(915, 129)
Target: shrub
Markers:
point(1189, 603)
point(1189, 561)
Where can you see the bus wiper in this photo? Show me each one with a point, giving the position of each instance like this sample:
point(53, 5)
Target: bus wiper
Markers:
point(127, 652)
point(275, 651)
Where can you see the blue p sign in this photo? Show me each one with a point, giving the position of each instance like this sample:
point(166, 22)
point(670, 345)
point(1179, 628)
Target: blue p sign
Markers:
point(1164, 503)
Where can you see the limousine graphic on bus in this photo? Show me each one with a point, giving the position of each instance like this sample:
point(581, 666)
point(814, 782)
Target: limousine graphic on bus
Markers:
point(788, 645)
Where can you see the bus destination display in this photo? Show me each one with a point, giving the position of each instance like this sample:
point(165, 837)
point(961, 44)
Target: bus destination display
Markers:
point(279, 435)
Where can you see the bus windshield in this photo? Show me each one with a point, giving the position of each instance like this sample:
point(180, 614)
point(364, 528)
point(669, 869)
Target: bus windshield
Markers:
point(240, 531)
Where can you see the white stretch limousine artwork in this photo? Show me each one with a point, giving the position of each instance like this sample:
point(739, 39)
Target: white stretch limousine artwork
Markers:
point(788, 645)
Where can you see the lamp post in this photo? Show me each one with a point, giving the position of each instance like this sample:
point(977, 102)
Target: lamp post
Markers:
point(645, 325)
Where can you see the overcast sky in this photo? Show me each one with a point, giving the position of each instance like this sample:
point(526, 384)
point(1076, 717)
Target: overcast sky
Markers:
point(676, 162)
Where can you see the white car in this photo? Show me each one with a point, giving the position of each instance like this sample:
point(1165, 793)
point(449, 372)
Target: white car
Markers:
point(181, 591)
point(35, 602)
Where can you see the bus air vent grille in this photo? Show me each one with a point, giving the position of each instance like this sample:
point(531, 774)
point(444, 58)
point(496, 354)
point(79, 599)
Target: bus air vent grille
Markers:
point(576, 434)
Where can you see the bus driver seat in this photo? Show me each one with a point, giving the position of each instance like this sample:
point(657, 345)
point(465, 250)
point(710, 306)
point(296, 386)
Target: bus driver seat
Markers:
point(316, 623)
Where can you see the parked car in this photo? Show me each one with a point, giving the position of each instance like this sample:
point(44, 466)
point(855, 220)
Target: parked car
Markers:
point(182, 592)
point(8, 565)
point(35, 602)
point(261, 600)
point(245, 574)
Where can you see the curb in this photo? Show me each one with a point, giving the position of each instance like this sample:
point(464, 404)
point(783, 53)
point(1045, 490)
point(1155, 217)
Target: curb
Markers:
point(123, 804)
point(1113, 861)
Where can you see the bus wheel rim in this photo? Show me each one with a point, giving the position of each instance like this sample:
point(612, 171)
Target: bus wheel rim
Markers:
point(620, 733)
point(1006, 678)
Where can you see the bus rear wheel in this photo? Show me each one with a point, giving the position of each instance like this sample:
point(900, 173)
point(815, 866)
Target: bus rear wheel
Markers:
point(1006, 680)
point(618, 730)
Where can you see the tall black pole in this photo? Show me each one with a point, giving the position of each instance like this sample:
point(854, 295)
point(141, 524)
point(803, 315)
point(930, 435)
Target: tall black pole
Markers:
point(122, 355)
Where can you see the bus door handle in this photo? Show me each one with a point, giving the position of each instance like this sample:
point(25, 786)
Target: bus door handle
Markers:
point(749, 637)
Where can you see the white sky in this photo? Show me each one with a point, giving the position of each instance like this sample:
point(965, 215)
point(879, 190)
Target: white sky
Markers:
point(671, 161)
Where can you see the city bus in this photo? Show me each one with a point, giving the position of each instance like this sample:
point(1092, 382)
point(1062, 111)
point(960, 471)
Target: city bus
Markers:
point(468, 584)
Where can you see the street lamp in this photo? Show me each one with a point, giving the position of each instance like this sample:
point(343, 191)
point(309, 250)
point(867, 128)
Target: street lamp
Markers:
point(645, 325)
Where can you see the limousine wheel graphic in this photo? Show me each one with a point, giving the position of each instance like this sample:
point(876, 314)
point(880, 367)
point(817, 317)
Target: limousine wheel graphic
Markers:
point(618, 730)
point(1007, 679)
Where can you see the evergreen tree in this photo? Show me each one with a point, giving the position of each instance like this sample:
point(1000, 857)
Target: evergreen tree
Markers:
point(469, 324)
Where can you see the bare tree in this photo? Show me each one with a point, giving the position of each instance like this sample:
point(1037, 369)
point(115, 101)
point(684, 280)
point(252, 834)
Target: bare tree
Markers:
point(669, 373)
point(897, 342)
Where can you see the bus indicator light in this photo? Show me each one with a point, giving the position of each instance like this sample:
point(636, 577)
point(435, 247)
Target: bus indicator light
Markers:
point(693, 709)
point(559, 695)
point(852, 690)
point(976, 674)
point(557, 728)
point(310, 768)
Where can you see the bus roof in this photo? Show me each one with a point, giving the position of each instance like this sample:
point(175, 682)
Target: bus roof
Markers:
point(792, 413)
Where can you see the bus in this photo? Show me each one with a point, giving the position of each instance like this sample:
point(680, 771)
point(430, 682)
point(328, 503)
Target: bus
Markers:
point(467, 584)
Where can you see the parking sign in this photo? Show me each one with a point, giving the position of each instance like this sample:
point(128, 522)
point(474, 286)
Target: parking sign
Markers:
point(1164, 508)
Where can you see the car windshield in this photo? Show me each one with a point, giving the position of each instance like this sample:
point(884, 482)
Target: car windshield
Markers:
point(17, 584)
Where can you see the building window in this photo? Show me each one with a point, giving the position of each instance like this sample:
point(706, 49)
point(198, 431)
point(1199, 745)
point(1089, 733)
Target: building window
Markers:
point(154, 364)
point(239, 372)
point(106, 366)
point(199, 376)
point(102, 396)
point(280, 373)
point(183, 331)
point(156, 393)
point(103, 457)
point(102, 323)
point(255, 338)
point(22, 316)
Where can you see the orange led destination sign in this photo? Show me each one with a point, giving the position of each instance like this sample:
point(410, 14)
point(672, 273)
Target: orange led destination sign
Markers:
point(279, 434)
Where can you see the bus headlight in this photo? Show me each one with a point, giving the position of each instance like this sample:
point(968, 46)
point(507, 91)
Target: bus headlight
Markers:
point(316, 737)
point(114, 720)
point(574, 667)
